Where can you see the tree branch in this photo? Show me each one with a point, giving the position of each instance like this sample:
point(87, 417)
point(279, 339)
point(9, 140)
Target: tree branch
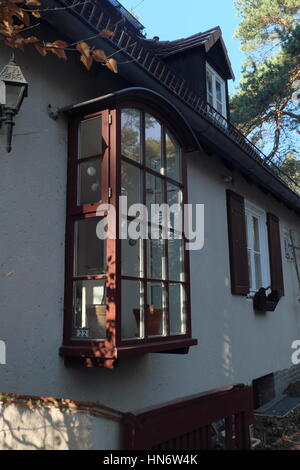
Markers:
point(292, 115)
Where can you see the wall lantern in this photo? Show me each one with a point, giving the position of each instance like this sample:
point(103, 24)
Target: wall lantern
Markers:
point(13, 89)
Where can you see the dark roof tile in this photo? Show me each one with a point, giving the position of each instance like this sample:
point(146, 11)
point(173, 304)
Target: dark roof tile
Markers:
point(164, 49)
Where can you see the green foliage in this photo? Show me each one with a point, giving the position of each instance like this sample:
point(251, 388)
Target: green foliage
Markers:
point(291, 166)
point(265, 22)
point(264, 107)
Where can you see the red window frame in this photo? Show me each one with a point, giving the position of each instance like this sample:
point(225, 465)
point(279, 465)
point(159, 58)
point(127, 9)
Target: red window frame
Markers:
point(106, 352)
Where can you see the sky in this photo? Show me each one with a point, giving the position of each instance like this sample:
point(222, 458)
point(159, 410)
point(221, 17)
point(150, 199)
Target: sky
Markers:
point(175, 19)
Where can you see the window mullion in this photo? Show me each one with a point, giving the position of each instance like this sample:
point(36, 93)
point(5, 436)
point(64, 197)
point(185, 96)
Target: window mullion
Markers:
point(144, 242)
point(166, 263)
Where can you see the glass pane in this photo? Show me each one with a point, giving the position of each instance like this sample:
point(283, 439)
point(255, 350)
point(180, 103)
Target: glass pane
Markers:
point(132, 257)
point(131, 134)
point(219, 91)
point(154, 194)
point(176, 259)
point(89, 181)
point(210, 99)
point(219, 107)
point(89, 307)
point(132, 310)
point(155, 259)
point(209, 82)
point(153, 143)
point(13, 93)
point(131, 185)
point(255, 232)
point(177, 309)
point(90, 137)
point(89, 256)
point(174, 196)
point(250, 270)
point(258, 277)
point(155, 312)
point(173, 155)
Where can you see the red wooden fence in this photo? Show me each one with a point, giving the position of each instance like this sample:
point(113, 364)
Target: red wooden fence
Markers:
point(188, 424)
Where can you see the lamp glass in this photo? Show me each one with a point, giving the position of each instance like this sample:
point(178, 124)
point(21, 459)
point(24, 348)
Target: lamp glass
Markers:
point(14, 95)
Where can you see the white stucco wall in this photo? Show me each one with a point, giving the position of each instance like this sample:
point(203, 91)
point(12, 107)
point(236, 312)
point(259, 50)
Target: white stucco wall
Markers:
point(235, 344)
point(31, 427)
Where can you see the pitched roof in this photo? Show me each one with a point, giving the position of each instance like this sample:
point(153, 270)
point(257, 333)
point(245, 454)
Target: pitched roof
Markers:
point(207, 39)
point(151, 71)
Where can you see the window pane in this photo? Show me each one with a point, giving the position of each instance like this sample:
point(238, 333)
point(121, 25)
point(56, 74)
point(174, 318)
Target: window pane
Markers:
point(209, 82)
point(131, 134)
point(132, 256)
point(154, 193)
point(210, 99)
point(132, 310)
point(219, 91)
point(90, 137)
point(173, 155)
point(176, 259)
point(89, 256)
point(131, 183)
point(155, 259)
point(174, 196)
point(219, 107)
point(89, 307)
point(155, 312)
point(153, 143)
point(258, 276)
point(255, 234)
point(250, 270)
point(89, 181)
point(177, 310)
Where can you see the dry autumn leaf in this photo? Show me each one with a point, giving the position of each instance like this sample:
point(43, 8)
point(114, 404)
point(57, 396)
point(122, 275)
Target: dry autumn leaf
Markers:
point(42, 50)
point(33, 3)
point(19, 13)
point(36, 14)
point(87, 61)
point(31, 40)
point(57, 48)
point(106, 33)
point(99, 55)
point(84, 48)
point(112, 65)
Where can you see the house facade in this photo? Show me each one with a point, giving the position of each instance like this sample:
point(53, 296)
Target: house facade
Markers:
point(106, 326)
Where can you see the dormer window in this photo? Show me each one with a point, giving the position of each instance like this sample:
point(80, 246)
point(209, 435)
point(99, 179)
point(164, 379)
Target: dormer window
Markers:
point(216, 91)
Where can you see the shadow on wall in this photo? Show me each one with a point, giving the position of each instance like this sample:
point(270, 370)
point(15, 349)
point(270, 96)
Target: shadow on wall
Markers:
point(227, 355)
point(227, 359)
point(41, 428)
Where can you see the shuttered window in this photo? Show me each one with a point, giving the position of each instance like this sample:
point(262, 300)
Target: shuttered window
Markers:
point(275, 254)
point(240, 267)
point(237, 244)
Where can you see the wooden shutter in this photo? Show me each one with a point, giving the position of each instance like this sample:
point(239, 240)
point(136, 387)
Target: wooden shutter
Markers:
point(275, 254)
point(237, 244)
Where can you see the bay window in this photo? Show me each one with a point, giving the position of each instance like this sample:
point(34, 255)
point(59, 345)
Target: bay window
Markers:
point(125, 294)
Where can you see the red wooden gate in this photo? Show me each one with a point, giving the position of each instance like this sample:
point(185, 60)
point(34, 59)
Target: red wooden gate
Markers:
point(189, 423)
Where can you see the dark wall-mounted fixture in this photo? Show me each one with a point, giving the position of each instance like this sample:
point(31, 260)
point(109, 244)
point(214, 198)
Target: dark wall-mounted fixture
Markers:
point(13, 89)
point(265, 303)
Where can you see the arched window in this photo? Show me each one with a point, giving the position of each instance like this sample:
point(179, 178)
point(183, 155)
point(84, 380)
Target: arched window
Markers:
point(127, 274)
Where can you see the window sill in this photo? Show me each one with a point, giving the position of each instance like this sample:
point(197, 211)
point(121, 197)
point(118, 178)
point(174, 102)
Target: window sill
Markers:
point(180, 346)
point(251, 295)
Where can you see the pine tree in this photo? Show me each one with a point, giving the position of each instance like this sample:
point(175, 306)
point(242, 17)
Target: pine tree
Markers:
point(266, 106)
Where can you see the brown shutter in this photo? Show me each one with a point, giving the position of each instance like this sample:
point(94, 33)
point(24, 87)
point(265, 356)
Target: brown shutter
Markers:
point(237, 244)
point(275, 254)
